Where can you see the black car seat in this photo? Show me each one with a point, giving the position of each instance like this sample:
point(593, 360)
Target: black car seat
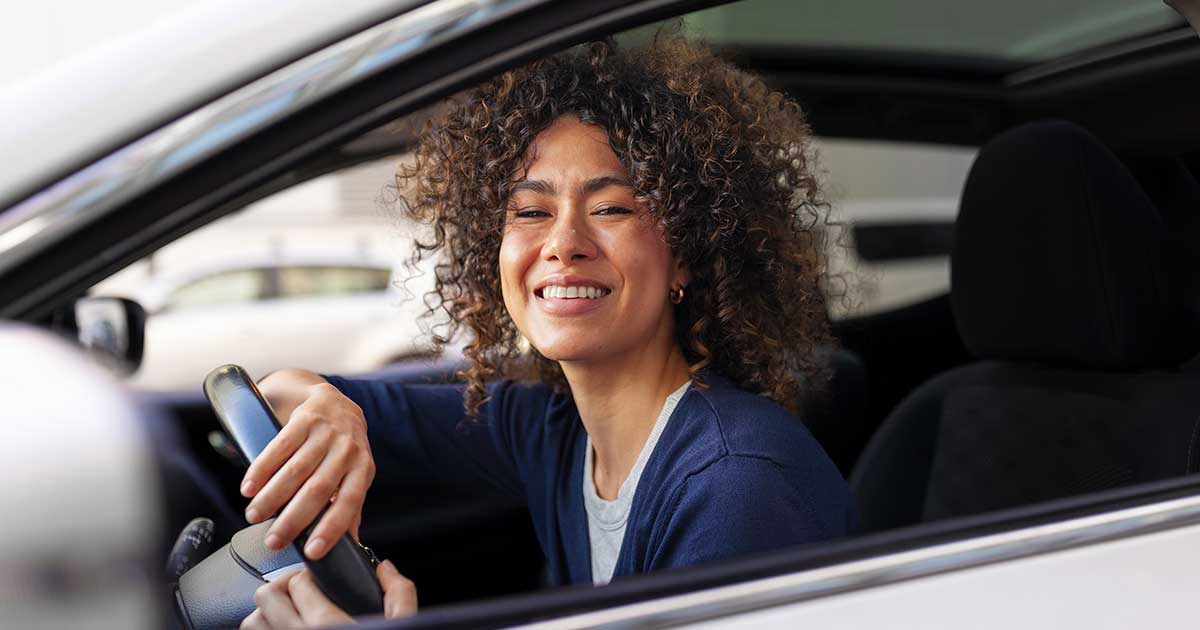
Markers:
point(1062, 291)
point(835, 411)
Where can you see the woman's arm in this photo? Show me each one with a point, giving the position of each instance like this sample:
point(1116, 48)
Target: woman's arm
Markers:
point(740, 506)
point(421, 431)
point(287, 389)
point(337, 431)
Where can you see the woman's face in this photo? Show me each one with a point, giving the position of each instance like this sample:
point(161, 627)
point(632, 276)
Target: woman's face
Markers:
point(583, 265)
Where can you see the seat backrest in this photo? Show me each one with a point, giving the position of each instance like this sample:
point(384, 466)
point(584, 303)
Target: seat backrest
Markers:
point(1062, 289)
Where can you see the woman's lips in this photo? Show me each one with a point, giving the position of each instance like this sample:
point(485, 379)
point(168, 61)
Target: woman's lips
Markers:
point(570, 306)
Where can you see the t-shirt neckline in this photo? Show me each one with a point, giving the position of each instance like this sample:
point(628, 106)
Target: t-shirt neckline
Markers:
point(612, 515)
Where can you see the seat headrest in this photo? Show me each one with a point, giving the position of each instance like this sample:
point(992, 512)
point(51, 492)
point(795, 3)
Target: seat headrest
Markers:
point(1059, 256)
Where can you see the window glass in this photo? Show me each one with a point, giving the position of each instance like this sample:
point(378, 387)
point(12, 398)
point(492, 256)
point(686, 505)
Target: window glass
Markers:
point(303, 281)
point(903, 196)
point(1014, 30)
point(243, 285)
point(334, 236)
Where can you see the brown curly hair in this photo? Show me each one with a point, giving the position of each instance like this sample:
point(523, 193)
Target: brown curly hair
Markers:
point(723, 161)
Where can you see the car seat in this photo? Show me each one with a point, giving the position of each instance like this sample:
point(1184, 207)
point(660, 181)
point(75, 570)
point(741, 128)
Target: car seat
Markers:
point(1061, 289)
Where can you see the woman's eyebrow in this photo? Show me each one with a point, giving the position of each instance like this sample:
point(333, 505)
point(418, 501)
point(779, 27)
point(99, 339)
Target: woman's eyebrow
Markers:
point(597, 183)
point(592, 185)
point(533, 185)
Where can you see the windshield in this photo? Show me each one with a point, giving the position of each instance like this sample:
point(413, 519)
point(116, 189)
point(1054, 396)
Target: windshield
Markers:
point(1026, 31)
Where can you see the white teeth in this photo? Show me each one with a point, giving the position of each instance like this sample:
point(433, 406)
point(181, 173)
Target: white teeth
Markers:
point(561, 292)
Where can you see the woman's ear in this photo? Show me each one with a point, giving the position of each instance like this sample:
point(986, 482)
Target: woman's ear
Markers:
point(680, 276)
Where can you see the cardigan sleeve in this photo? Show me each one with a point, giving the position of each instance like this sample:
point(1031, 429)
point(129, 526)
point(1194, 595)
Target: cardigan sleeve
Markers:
point(423, 429)
point(737, 506)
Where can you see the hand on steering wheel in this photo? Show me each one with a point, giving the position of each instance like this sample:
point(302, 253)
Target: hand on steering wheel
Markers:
point(320, 455)
point(295, 601)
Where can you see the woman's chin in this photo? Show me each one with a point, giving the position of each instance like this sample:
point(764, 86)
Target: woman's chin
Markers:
point(570, 352)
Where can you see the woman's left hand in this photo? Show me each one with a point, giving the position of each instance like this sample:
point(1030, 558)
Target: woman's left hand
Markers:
point(295, 601)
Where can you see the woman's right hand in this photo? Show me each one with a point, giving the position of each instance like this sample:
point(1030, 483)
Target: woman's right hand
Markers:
point(321, 454)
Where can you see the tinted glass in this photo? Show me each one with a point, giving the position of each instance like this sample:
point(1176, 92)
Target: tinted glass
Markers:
point(302, 281)
point(243, 285)
point(1012, 30)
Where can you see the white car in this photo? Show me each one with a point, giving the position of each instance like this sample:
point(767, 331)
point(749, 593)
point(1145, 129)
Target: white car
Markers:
point(1069, 498)
point(353, 315)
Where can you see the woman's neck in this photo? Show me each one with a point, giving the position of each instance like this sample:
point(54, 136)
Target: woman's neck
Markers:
point(619, 400)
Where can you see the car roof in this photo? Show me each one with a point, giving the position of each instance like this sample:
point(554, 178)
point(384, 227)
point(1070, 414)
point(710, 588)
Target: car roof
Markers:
point(94, 103)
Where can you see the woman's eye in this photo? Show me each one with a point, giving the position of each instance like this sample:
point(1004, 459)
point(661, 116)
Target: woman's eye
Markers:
point(531, 213)
point(607, 210)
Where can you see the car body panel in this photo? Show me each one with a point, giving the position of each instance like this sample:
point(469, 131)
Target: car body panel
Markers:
point(1137, 582)
point(80, 540)
point(219, 53)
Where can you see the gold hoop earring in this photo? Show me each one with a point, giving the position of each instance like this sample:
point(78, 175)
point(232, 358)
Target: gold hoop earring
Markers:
point(676, 295)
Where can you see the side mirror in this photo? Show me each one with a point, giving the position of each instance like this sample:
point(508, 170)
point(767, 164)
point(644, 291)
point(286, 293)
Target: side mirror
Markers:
point(112, 329)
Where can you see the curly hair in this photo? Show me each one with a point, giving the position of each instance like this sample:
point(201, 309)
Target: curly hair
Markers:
point(724, 163)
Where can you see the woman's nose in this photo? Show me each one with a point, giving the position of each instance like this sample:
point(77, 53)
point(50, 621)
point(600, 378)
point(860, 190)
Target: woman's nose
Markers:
point(569, 240)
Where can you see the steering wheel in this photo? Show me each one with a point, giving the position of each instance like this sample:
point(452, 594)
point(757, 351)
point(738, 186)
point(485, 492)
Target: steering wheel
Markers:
point(218, 592)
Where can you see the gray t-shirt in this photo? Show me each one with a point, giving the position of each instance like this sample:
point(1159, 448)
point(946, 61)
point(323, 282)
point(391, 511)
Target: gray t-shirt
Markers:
point(606, 519)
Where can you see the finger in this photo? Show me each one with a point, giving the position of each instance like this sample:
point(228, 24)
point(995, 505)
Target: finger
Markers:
point(275, 603)
point(253, 621)
point(287, 479)
point(278, 450)
point(355, 525)
point(399, 592)
point(342, 515)
point(314, 607)
point(308, 502)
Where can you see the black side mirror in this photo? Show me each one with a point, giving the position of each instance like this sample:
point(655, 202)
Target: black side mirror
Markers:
point(112, 329)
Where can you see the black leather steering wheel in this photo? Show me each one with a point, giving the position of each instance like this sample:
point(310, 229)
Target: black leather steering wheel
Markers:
point(219, 591)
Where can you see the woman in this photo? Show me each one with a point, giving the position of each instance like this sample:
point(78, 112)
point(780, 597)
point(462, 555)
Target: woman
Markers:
point(645, 220)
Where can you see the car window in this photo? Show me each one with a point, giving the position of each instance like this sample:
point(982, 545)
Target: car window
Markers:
point(892, 210)
point(1016, 31)
point(242, 285)
point(334, 236)
point(305, 281)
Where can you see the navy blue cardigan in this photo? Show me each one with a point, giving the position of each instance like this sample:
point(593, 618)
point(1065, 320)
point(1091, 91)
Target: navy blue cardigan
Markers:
point(733, 473)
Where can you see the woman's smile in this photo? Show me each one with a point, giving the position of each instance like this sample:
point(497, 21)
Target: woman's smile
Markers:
point(570, 295)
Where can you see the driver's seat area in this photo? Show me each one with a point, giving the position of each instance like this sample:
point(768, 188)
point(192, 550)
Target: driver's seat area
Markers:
point(1062, 292)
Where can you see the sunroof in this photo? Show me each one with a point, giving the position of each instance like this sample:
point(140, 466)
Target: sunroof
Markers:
point(1011, 30)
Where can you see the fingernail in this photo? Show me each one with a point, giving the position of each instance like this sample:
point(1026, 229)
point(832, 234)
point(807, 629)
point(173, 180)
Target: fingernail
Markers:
point(273, 542)
point(252, 515)
point(314, 547)
point(247, 488)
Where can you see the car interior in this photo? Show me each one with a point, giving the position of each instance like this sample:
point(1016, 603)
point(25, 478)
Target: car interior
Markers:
point(1058, 373)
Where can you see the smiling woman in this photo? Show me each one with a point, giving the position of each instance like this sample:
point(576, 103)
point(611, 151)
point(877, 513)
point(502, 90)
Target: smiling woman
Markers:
point(644, 218)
